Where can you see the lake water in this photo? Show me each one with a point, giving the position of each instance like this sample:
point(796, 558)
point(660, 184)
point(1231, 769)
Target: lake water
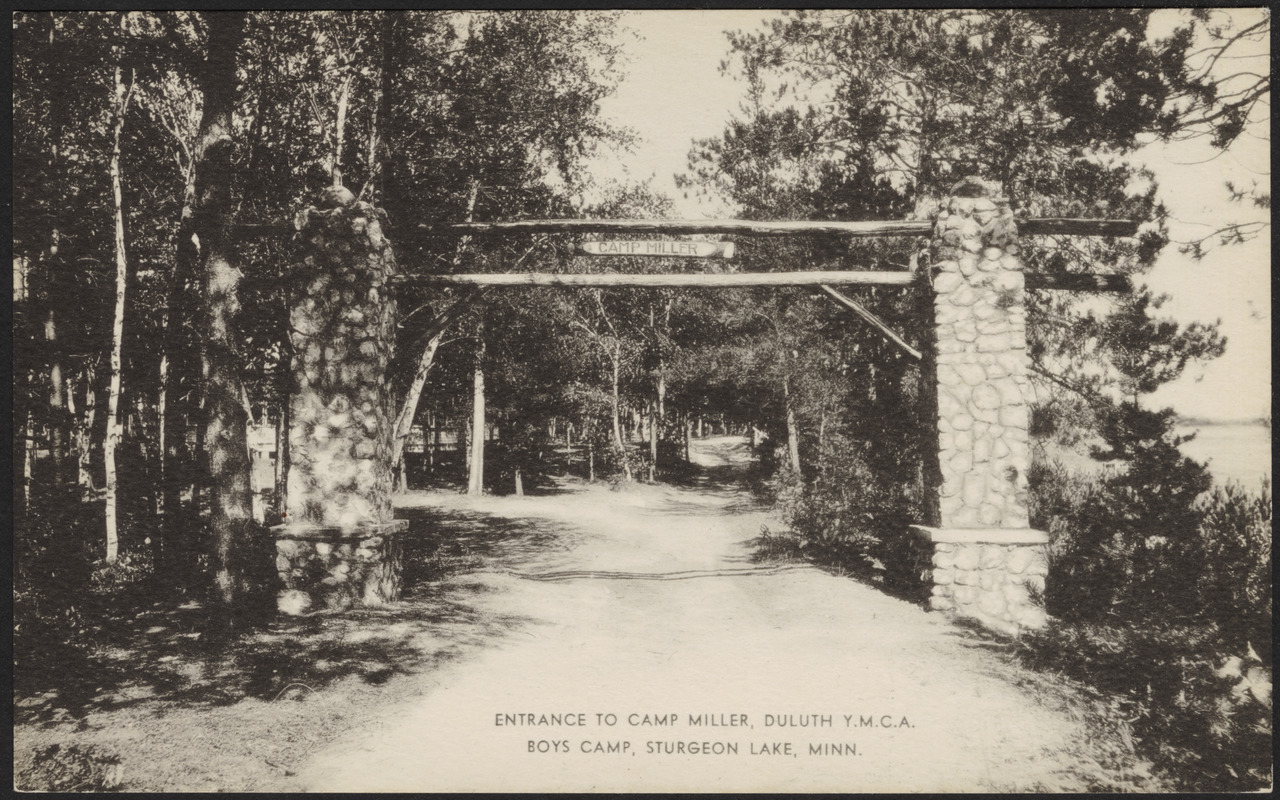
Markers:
point(1234, 452)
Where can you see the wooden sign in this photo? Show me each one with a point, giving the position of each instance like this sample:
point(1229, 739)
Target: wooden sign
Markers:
point(656, 247)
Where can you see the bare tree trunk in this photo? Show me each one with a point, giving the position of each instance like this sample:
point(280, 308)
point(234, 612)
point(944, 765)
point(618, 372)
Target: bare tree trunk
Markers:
point(615, 401)
point(340, 126)
point(57, 404)
point(83, 435)
point(60, 417)
point(409, 409)
point(464, 446)
point(162, 413)
point(688, 431)
point(822, 448)
point(653, 443)
point(371, 161)
point(226, 437)
point(28, 450)
point(793, 429)
point(112, 439)
point(282, 460)
point(176, 363)
point(200, 474)
point(435, 440)
point(475, 480)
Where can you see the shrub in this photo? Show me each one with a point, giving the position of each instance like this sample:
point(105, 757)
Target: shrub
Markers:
point(1129, 542)
point(1234, 584)
point(1158, 581)
point(1186, 716)
point(849, 514)
point(74, 768)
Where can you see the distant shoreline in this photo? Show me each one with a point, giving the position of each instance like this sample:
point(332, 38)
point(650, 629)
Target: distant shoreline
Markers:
point(1206, 421)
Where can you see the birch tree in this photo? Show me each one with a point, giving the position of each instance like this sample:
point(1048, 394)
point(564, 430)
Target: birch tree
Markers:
point(123, 93)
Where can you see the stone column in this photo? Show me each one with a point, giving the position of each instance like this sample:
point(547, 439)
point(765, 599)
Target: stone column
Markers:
point(986, 562)
point(337, 546)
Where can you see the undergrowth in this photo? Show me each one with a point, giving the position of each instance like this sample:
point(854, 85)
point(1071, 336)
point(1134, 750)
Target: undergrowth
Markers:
point(1159, 589)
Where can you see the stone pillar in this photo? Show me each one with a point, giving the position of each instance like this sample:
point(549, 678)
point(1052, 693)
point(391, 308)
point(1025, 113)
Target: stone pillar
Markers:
point(338, 545)
point(986, 562)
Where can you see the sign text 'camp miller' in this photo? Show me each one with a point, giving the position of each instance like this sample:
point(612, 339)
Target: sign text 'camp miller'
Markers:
point(658, 247)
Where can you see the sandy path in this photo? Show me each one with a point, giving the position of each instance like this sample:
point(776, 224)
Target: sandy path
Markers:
point(739, 646)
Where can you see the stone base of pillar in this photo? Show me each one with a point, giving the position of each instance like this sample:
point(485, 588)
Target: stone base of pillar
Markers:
point(992, 575)
point(331, 568)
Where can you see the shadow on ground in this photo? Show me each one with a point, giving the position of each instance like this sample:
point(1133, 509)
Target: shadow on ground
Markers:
point(154, 654)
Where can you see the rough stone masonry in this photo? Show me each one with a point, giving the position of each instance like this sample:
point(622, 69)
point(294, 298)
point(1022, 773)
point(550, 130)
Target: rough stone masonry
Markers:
point(985, 561)
point(338, 546)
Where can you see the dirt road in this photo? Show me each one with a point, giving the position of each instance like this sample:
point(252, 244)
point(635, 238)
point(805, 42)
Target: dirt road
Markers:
point(722, 675)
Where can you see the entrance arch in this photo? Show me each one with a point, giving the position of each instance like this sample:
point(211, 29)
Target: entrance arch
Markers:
point(976, 552)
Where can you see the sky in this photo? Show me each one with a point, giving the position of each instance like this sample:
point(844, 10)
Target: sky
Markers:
point(675, 93)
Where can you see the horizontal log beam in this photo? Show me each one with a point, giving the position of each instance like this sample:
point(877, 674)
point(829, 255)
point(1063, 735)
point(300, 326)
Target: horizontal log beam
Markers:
point(1057, 226)
point(1030, 227)
point(680, 280)
point(1078, 282)
point(743, 227)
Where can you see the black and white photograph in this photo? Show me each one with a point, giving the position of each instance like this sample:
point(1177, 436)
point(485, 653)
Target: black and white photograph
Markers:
point(837, 400)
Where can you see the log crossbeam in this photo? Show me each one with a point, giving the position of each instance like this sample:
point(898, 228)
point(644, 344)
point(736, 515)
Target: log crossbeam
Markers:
point(1073, 282)
point(664, 280)
point(1049, 226)
point(747, 227)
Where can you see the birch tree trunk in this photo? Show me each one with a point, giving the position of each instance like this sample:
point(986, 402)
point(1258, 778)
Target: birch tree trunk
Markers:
point(282, 460)
point(83, 435)
point(340, 126)
point(653, 442)
point(409, 409)
point(793, 429)
point(28, 447)
point(58, 413)
point(112, 439)
point(617, 410)
point(475, 479)
point(464, 446)
point(435, 441)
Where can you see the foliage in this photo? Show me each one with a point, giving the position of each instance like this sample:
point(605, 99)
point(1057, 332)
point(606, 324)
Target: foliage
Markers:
point(1234, 543)
point(1158, 584)
point(1150, 540)
point(1186, 716)
point(74, 768)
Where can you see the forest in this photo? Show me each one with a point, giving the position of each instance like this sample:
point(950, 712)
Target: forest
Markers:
point(160, 160)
